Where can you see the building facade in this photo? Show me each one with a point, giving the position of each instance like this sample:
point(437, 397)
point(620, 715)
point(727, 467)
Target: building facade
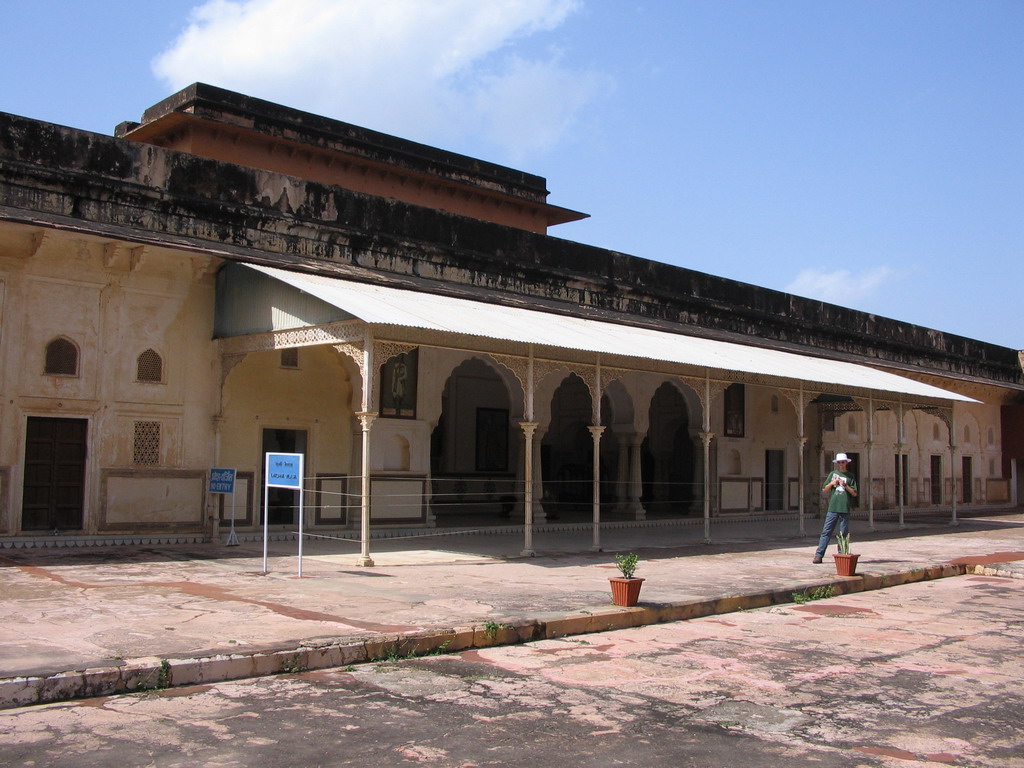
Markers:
point(230, 277)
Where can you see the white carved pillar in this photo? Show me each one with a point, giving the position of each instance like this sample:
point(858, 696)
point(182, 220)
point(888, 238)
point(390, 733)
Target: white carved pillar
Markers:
point(706, 438)
point(529, 427)
point(801, 412)
point(952, 462)
point(867, 467)
point(801, 482)
point(366, 420)
point(595, 433)
point(900, 479)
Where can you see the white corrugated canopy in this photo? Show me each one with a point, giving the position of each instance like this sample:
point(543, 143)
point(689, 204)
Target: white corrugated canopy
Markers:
point(383, 305)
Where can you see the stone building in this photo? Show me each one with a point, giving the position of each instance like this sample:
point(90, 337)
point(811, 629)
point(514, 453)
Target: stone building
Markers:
point(229, 277)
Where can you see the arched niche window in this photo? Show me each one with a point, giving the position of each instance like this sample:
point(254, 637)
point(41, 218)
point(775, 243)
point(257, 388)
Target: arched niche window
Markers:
point(149, 367)
point(61, 357)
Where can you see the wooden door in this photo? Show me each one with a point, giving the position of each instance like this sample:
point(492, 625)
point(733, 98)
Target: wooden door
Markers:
point(54, 487)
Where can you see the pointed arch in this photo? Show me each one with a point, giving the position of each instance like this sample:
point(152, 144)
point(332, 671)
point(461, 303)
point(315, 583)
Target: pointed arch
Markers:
point(62, 357)
point(149, 367)
point(668, 453)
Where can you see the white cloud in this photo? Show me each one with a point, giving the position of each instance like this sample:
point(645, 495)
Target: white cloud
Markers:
point(841, 286)
point(436, 71)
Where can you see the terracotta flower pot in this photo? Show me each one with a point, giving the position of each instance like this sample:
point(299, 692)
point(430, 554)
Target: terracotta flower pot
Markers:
point(846, 565)
point(625, 591)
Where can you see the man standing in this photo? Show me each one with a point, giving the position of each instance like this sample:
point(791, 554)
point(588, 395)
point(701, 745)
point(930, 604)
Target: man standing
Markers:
point(840, 486)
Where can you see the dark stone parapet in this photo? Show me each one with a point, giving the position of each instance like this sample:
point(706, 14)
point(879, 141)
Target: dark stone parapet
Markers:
point(149, 194)
point(217, 105)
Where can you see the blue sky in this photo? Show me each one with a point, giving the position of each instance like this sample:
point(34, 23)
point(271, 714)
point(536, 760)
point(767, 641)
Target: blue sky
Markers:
point(865, 153)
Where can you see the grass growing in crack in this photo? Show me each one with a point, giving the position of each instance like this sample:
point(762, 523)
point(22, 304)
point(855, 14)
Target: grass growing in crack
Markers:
point(440, 650)
point(819, 593)
point(163, 678)
point(491, 630)
point(394, 653)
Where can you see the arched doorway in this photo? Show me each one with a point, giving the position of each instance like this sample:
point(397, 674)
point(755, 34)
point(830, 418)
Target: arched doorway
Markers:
point(667, 456)
point(567, 450)
point(473, 450)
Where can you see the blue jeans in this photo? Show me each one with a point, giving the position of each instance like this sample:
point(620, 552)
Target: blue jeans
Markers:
point(831, 520)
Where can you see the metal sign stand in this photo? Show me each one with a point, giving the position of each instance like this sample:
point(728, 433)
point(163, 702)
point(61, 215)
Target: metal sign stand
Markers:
point(281, 470)
point(232, 540)
point(222, 481)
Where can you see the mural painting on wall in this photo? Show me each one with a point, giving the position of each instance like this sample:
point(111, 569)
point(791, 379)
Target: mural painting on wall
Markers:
point(491, 439)
point(398, 386)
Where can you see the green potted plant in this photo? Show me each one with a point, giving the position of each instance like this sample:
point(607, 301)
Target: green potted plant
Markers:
point(846, 564)
point(626, 588)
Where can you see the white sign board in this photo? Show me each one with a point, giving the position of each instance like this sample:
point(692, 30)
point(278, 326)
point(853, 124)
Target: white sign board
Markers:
point(281, 470)
point(284, 470)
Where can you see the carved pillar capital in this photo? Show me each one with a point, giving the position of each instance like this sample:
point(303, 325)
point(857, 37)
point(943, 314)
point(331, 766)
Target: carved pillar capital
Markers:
point(366, 419)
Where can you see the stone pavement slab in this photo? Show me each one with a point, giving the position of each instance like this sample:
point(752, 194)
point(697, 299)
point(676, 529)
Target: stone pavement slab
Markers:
point(86, 621)
point(924, 676)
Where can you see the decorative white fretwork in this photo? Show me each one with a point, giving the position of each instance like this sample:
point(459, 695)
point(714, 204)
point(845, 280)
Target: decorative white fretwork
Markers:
point(518, 366)
point(353, 350)
point(330, 333)
point(799, 399)
point(608, 375)
point(385, 350)
point(943, 414)
point(227, 362)
point(544, 368)
point(705, 389)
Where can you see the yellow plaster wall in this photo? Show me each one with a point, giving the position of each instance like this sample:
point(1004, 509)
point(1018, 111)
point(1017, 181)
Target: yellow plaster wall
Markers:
point(317, 397)
point(113, 300)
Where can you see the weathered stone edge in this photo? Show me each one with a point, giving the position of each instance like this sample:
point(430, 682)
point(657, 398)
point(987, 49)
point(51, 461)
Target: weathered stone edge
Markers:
point(155, 673)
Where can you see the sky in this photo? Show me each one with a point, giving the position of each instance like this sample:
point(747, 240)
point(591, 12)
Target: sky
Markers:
point(867, 153)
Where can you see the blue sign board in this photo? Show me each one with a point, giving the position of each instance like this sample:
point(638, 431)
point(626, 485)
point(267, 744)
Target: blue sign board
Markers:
point(222, 480)
point(284, 470)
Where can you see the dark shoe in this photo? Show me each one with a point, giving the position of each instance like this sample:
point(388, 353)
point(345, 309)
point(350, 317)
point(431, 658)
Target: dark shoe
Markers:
point(816, 560)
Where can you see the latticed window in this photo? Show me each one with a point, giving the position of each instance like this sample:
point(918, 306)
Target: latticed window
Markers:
point(61, 358)
point(290, 357)
point(149, 367)
point(146, 447)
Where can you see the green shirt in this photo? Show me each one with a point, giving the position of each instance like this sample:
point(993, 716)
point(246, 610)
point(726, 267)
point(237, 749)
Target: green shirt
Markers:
point(839, 499)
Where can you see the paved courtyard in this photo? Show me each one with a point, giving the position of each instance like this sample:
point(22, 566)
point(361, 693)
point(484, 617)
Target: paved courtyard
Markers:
point(924, 674)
